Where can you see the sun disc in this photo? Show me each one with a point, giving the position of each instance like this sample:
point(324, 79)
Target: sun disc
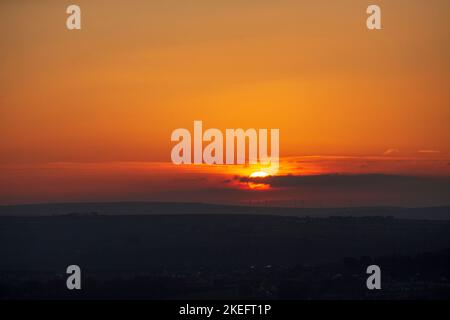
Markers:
point(259, 174)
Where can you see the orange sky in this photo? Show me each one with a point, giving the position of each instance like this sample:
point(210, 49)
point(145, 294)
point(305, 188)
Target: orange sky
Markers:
point(114, 91)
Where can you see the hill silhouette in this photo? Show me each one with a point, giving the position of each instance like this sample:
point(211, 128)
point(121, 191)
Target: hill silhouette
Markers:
point(165, 251)
point(164, 208)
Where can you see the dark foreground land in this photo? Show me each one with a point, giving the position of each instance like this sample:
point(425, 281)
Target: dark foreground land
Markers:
point(223, 256)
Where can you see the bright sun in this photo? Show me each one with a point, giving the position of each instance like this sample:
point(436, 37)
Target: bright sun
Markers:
point(259, 174)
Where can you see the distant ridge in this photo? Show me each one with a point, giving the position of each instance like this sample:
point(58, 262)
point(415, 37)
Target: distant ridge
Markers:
point(166, 208)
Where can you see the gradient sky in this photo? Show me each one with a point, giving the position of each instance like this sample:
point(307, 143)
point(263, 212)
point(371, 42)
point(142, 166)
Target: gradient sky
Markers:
point(109, 96)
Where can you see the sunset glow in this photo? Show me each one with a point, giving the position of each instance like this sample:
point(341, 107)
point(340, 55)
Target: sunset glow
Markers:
point(259, 174)
point(87, 115)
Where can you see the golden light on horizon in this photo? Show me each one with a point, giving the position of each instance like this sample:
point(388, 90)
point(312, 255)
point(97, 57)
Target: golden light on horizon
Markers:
point(258, 185)
point(259, 174)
